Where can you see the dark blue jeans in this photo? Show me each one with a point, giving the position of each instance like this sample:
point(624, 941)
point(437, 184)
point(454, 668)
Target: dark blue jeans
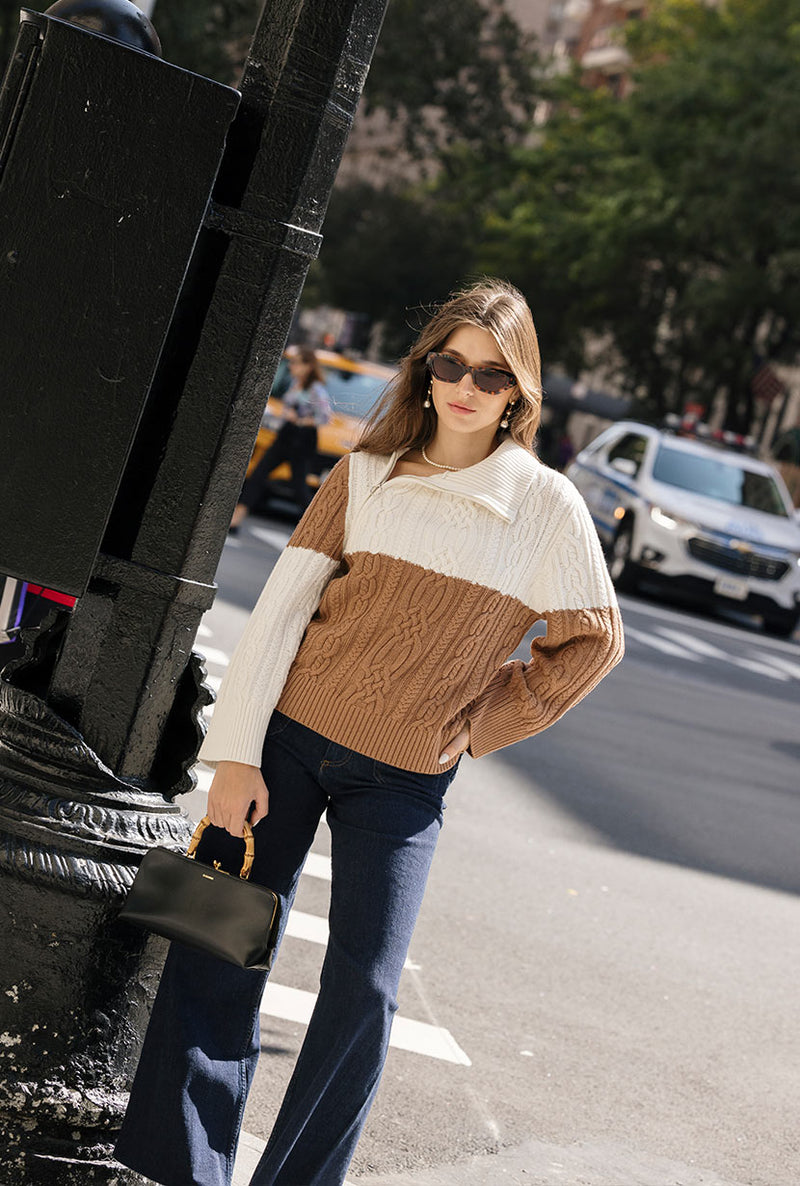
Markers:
point(201, 1047)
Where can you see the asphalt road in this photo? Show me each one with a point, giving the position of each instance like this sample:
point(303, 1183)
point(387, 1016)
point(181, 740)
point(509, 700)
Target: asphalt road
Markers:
point(602, 986)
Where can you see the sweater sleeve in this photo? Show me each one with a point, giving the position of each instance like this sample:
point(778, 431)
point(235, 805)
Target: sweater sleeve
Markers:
point(254, 680)
point(584, 638)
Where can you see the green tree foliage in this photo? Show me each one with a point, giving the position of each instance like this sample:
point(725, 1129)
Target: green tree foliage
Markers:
point(209, 37)
point(453, 72)
point(459, 81)
point(668, 224)
point(390, 254)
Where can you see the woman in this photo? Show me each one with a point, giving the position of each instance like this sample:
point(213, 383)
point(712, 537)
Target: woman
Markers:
point(374, 659)
point(306, 407)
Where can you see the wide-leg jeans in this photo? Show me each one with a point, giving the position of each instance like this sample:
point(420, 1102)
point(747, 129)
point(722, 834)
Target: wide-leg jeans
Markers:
point(202, 1044)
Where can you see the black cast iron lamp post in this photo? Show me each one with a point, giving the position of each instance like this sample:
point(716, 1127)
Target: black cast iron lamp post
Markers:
point(155, 234)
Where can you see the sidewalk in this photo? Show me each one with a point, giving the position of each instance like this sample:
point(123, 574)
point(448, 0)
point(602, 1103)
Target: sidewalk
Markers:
point(532, 1164)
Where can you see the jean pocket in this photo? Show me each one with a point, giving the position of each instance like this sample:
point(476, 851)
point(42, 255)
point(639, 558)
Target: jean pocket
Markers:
point(430, 785)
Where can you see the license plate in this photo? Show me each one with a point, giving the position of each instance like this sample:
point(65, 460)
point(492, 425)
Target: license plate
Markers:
point(733, 587)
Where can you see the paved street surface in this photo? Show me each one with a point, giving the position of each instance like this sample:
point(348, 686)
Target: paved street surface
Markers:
point(602, 988)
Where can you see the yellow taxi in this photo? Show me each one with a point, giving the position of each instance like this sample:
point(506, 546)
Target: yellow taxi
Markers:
point(353, 386)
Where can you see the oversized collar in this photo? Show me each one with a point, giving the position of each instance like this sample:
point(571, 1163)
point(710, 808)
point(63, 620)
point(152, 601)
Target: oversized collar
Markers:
point(500, 482)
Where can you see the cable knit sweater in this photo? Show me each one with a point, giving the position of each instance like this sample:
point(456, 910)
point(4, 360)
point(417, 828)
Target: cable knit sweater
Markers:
point(388, 619)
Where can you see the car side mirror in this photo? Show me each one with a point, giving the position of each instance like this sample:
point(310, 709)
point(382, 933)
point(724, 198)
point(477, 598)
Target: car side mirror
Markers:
point(624, 465)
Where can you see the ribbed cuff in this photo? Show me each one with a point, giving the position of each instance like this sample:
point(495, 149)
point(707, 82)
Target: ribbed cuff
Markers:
point(240, 738)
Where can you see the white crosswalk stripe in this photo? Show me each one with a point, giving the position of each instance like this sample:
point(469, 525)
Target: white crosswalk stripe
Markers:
point(792, 669)
point(660, 644)
point(215, 657)
point(307, 926)
point(695, 644)
point(684, 645)
point(295, 1004)
point(268, 535)
point(708, 649)
point(759, 668)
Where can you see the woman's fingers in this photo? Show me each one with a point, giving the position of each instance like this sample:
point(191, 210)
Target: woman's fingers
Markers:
point(456, 746)
point(212, 808)
point(234, 789)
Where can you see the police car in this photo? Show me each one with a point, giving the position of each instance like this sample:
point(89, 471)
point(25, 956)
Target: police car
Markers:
point(682, 507)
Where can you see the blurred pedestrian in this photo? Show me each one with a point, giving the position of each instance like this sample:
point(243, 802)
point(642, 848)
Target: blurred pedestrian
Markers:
point(373, 660)
point(306, 407)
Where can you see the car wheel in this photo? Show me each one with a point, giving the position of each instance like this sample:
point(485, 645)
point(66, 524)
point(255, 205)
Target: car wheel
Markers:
point(782, 623)
point(620, 566)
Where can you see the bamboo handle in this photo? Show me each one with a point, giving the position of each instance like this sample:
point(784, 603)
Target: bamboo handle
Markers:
point(249, 845)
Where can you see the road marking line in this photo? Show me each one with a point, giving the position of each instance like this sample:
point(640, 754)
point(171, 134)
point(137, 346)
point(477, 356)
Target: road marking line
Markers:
point(661, 644)
point(276, 539)
point(695, 644)
point(785, 665)
point(760, 668)
point(313, 929)
point(204, 631)
point(663, 612)
point(318, 865)
point(212, 655)
point(418, 1037)
point(702, 648)
point(310, 927)
point(766, 666)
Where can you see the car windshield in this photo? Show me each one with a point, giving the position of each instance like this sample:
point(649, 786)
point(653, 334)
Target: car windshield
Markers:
point(351, 393)
point(716, 478)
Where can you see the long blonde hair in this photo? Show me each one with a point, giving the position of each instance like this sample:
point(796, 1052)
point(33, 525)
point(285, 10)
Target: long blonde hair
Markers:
point(399, 421)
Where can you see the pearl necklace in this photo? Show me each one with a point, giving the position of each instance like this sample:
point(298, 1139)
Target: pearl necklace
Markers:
point(456, 468)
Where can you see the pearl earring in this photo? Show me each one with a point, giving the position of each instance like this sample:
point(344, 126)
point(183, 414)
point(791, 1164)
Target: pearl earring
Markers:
point(427, 400)
point(508, 411)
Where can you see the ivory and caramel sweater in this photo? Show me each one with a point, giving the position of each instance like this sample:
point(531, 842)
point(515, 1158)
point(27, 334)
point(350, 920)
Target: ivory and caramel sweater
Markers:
point(388, 619)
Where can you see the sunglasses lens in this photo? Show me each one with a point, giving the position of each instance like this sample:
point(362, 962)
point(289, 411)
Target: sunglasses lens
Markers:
point(492, 381)
point(450, 370)
point(447, 370)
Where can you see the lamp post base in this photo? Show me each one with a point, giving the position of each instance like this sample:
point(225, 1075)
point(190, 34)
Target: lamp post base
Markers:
point(76, 984)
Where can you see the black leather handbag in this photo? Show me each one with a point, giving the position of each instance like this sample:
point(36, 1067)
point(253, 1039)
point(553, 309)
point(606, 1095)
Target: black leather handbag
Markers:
point(203, 906)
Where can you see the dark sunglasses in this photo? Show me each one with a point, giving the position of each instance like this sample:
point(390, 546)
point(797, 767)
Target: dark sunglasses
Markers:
point(447, 369)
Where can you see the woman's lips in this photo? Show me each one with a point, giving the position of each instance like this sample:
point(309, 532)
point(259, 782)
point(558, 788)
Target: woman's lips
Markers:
point(461, 408)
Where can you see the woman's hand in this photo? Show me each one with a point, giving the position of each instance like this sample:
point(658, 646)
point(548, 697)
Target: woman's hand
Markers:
point(234, 788)
point(455, 747)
